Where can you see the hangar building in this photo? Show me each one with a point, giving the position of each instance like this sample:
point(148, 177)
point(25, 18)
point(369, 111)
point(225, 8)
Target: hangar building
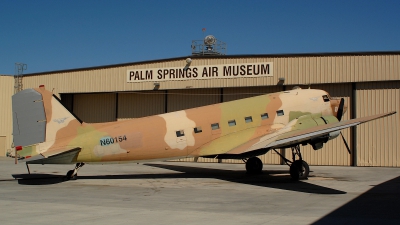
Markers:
point(369, 82)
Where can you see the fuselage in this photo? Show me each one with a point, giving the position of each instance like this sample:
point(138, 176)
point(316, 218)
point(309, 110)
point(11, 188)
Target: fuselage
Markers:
point(207, 130)
point(224, 128)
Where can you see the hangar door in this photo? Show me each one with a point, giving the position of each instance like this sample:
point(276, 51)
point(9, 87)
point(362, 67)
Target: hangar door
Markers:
point(95, 108)
point(186, 99)
point(140, 104)
point(378, 141)
point(230, 94)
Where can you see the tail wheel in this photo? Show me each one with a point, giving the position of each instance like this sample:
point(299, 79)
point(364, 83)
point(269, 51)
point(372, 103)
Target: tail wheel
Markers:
point(70, 176)
point(299, 170)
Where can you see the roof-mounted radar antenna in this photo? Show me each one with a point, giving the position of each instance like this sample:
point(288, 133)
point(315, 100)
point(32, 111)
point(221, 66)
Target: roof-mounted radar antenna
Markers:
point(209, 46)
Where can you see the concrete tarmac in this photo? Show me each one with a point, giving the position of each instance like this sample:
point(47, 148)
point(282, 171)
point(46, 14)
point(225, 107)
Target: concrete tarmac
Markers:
point(197, 193)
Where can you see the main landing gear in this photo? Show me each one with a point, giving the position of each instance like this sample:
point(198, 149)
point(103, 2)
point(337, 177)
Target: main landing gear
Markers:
point(254, 165)
point(72, 174)
point(299, 169)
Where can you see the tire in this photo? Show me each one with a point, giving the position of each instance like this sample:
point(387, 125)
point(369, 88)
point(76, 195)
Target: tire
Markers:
point(299, 170)
point(254, 165)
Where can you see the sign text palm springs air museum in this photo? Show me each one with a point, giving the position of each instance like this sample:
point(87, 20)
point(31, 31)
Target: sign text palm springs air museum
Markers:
point(249, 70)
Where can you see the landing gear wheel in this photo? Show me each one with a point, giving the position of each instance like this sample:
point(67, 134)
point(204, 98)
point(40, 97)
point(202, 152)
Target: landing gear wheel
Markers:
point(299, 170)
point(73, 174)
point(254, 165)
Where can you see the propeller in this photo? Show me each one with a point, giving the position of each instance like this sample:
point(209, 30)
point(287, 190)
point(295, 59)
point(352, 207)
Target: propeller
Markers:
point(340, 110)
point(339, 116)
point(345, 143)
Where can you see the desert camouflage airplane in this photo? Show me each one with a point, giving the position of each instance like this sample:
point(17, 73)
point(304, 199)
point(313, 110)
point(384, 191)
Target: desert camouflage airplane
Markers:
point(45, 132)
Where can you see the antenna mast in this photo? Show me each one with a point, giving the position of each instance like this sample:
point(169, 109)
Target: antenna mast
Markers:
point(18, 74)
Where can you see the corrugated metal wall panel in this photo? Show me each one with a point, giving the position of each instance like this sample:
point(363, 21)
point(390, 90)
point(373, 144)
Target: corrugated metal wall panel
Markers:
point(3, 140)
point(95, 108)
point(7, 90)
point(205, 160)
point(295, 70)
point(235, 161)
point(182, 160)
point(200, 160)
point(270, 158)
point(191, 98)
point(378, 142)
point(140, 104)
point(334, 151)
point(230, 94)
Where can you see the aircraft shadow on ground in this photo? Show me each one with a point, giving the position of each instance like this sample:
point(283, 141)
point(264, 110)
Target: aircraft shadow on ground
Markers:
point(379, 205)
point(266, 179)
point(38, 179)
point(279, 179)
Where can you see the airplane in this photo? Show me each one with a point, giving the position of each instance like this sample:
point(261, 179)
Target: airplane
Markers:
point(46, 132)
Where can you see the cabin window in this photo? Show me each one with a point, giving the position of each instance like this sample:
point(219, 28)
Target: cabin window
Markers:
point(215, 126)
point(232, 123)
point(180, 133)
point(197, 130)
point(264, 116)
point(280, 113)
point(248, 119)
point(326, 98)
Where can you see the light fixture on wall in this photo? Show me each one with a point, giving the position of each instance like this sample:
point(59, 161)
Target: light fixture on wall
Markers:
point(188, 61)
point(281, 80)
point(156, 86)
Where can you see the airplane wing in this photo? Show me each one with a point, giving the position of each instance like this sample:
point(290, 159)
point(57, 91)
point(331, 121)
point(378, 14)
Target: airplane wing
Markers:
point(60, 156)
point(290, 138)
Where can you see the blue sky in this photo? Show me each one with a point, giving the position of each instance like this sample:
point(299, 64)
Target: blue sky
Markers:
point(56, 35)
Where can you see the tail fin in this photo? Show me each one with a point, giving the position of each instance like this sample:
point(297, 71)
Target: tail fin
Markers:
point(38, 115)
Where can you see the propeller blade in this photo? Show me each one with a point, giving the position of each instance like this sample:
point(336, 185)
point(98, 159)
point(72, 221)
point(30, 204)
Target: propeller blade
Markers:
point(340, 110)
point(345, 142)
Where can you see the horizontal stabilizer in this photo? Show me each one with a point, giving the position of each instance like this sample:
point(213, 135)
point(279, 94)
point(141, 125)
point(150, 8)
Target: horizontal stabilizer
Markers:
point(62, 156)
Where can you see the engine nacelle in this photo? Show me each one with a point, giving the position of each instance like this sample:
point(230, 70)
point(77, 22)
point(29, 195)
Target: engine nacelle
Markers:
point(318, 143)
point(334, 134)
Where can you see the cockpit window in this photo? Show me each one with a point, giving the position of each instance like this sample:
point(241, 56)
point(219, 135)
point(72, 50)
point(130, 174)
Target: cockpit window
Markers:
point(326, 98)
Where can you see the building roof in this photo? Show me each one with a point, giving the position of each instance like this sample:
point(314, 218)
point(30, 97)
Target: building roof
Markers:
point(223, 56)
